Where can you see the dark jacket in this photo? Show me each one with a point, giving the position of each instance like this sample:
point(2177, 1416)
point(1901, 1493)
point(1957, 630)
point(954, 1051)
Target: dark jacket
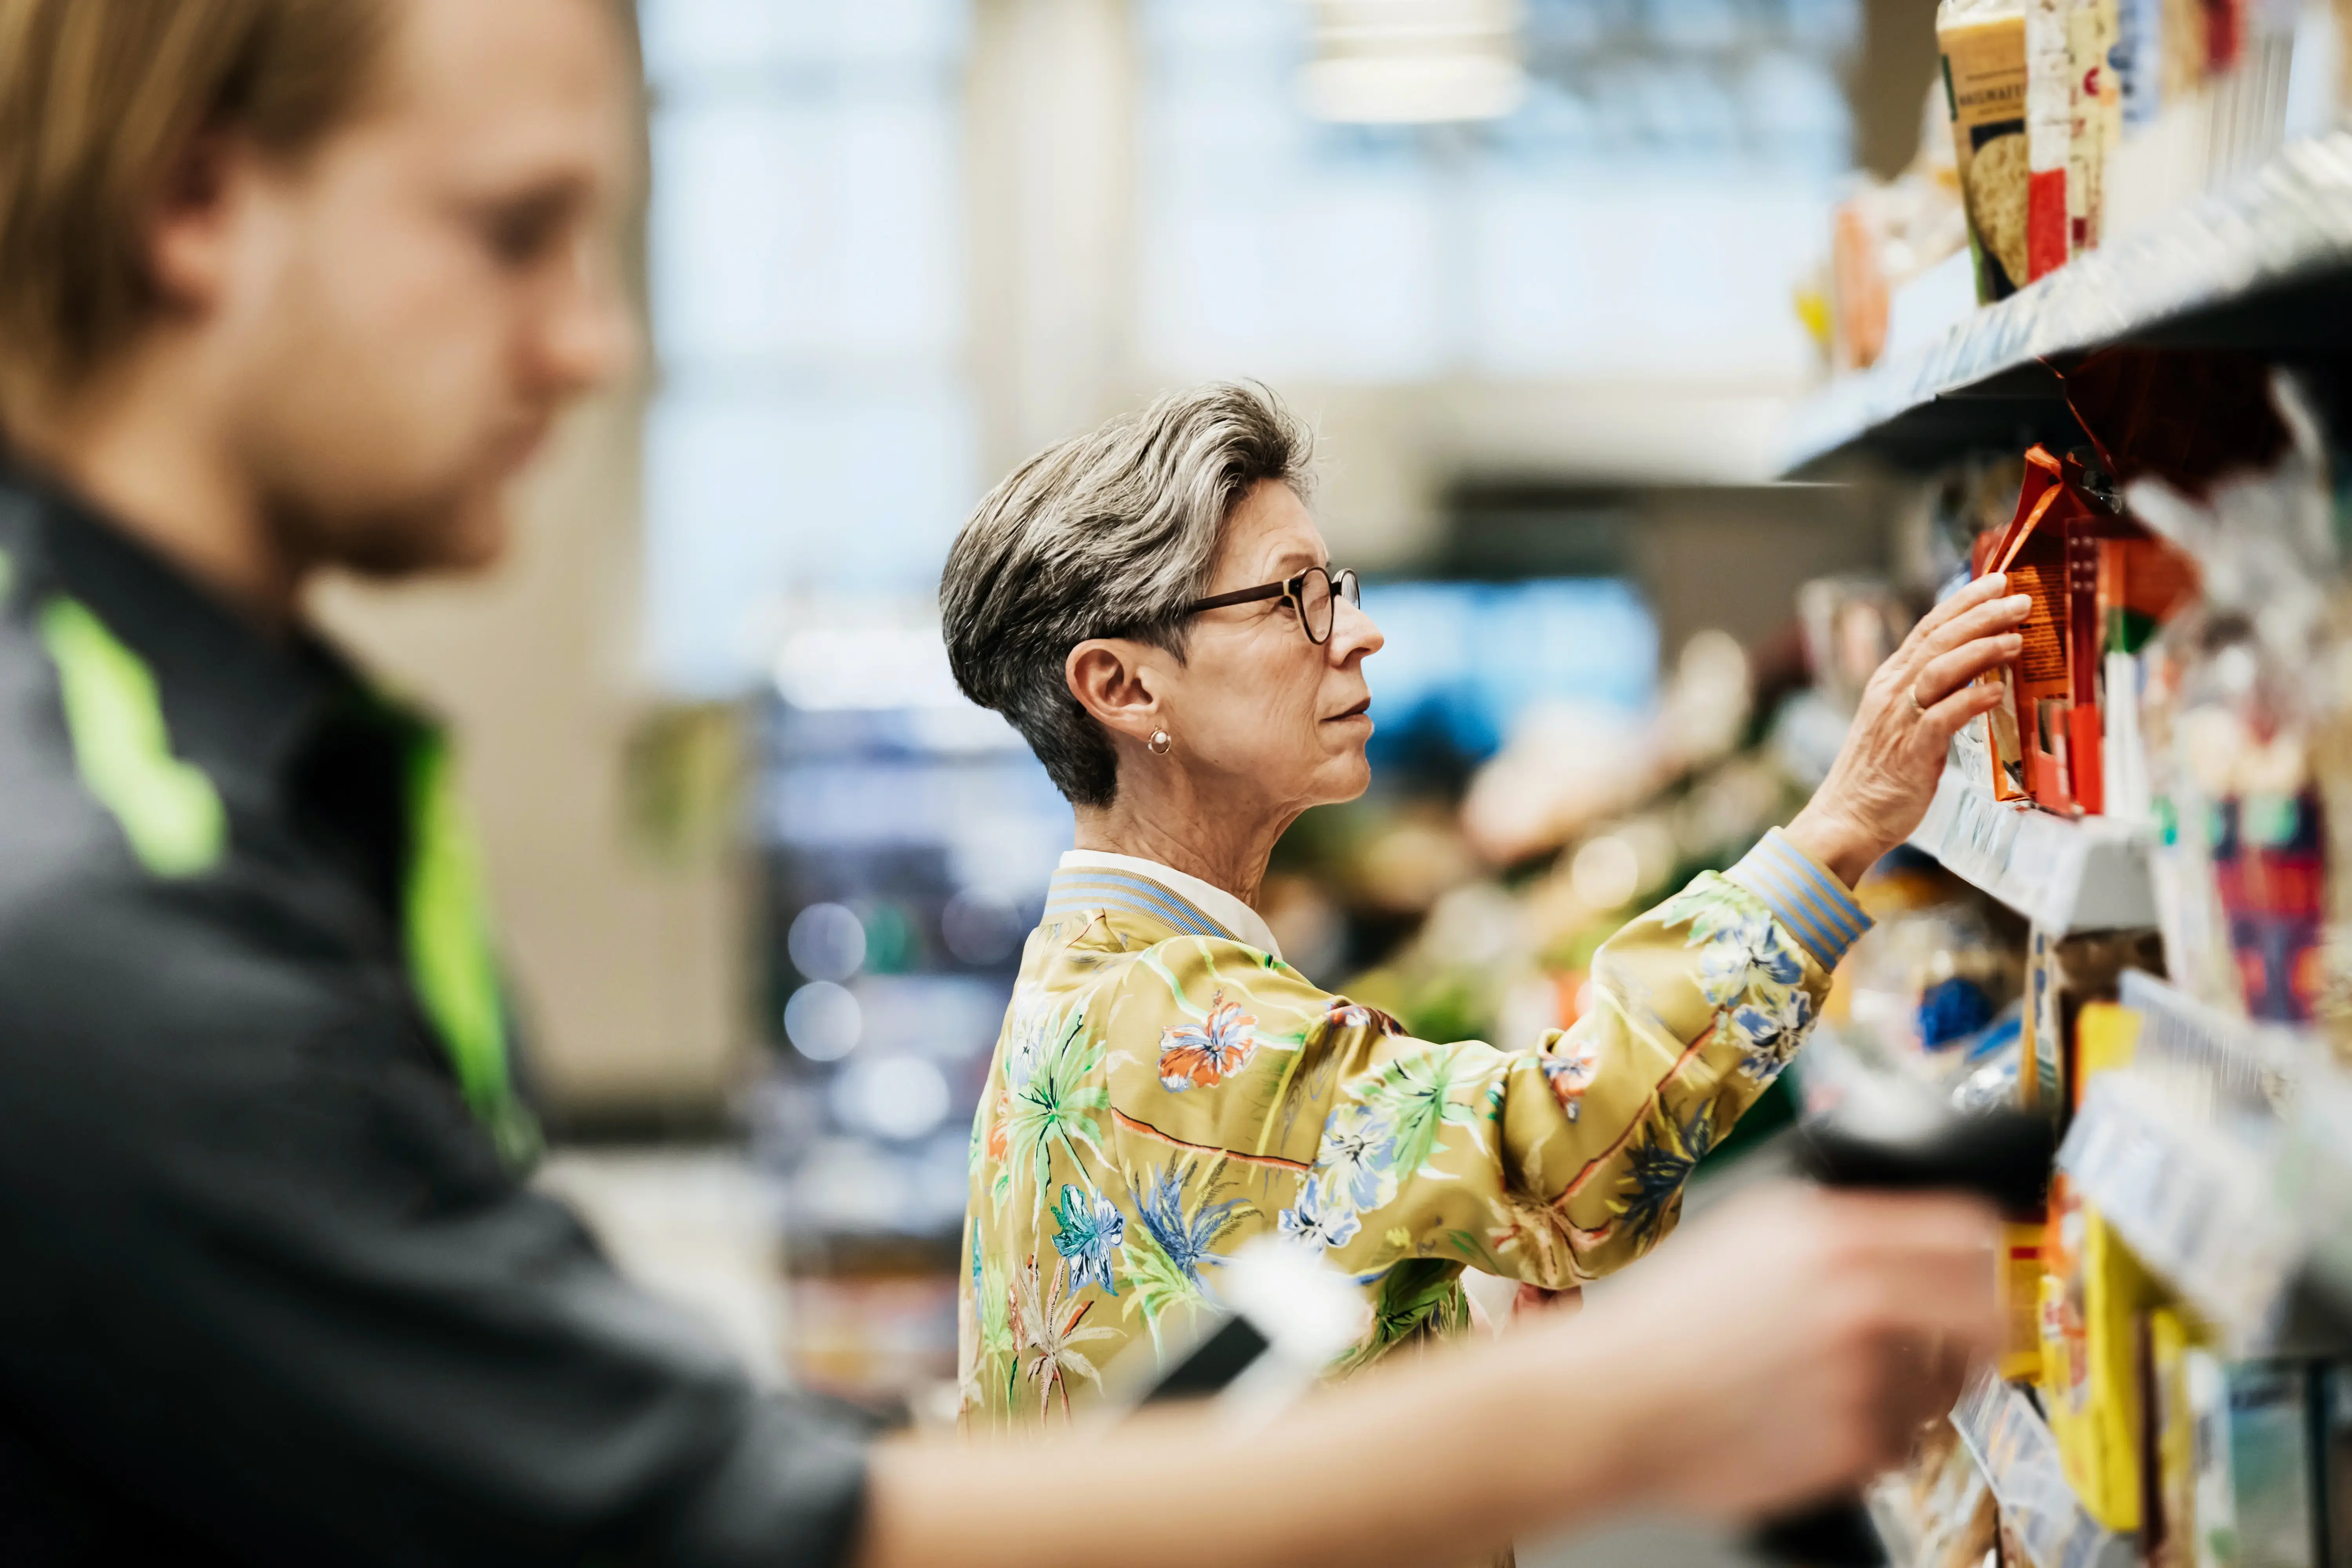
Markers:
point(269, 1293)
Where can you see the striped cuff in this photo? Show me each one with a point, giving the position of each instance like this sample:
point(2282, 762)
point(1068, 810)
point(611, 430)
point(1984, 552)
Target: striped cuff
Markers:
point(1813, 904)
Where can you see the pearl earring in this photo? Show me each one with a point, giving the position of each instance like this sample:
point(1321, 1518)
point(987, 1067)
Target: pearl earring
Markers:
point(1161, 743)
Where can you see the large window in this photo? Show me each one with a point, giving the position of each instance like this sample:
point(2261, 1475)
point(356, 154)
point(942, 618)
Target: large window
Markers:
point(812, 435)
point(1645, 211)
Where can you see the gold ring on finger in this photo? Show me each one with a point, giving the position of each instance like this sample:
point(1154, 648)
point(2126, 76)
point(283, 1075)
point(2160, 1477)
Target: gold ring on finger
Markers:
point(1917, 706)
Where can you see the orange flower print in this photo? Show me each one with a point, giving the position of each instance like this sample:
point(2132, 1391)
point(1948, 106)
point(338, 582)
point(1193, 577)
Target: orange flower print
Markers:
point(1202, 1056)
point(1570, 1068)
point(1000, 1125)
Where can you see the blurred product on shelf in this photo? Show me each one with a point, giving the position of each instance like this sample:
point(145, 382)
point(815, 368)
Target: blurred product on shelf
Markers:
point(1936, 1511)
point(1886, 235)
point(1986, 82)
point(2245, 722)
point(2093, 1291)
point(2094, 31)
point(2056, 126)
point(2063, 974)
point(2048, 134)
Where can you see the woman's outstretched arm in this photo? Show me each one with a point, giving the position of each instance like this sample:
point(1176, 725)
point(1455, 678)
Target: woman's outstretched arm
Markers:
point(1557, 1163)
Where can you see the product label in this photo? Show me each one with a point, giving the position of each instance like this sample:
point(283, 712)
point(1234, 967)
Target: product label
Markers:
point(1985, 87)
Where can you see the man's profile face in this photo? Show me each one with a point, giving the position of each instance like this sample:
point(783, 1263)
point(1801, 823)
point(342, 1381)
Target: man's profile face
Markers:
point(404, 312)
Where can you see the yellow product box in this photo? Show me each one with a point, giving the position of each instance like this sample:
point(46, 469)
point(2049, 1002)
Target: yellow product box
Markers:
point(2092, 1299)
point(2170, 1533)
point(2018, 1293)
point(2093, 1293)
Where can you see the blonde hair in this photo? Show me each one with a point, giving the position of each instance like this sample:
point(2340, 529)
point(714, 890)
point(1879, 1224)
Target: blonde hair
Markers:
point(99, 101)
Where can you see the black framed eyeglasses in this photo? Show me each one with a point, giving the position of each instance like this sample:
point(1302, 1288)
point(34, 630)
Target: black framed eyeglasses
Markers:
point(1315, 594)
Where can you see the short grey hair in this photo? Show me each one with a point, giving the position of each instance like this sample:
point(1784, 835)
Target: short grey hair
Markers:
point(1112, 533)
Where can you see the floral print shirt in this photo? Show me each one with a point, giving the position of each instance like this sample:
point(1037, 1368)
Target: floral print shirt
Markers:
point(1164, 1092)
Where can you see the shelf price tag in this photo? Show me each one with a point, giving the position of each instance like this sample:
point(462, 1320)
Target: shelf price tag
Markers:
point(2192, 1199)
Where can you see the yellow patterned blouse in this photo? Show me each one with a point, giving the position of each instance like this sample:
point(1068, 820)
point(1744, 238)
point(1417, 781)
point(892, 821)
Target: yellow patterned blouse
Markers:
point(1164, 1092)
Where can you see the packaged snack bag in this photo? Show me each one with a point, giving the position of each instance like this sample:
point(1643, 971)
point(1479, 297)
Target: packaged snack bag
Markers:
point(1983, 44)
point(2045, 734)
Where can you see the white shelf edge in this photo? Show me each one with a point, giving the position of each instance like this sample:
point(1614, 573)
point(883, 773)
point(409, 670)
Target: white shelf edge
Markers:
point(2064, 874)
point(2289, 219)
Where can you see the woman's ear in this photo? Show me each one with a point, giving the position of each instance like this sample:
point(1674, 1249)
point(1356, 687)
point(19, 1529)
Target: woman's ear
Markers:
point(1112, 679)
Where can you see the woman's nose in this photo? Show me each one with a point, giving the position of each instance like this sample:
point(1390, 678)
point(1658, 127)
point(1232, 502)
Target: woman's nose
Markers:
point(1353, 631)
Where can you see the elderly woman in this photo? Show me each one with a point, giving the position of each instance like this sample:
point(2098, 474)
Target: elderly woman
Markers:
point(1152, 608)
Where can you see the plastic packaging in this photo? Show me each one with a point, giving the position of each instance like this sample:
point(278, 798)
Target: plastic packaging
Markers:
point(2244, 702)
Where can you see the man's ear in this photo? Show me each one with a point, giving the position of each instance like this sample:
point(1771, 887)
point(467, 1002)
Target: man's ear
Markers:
point(1112, 680)
point(191, 228)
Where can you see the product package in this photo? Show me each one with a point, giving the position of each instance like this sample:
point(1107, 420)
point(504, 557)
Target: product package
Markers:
point(2071, 1033)
point(2168, 1532)
point(1929, 987)
point(2027, 755)
point(2018, 1293)
point(2249, 729)
point(1984, 63)
point(2048, 134)
point(2099, 582)
point(2273, 1512)
point(2094, 1294)
point(2092, 32)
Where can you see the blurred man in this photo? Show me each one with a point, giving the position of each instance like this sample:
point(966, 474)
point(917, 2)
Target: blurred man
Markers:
point(287, 285)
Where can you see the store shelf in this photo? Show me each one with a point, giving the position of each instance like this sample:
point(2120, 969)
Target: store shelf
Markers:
point(2197, 1203)
point(2224, 1156)
point(2265, 264)
point(2012, 1445)
point(2065, 874)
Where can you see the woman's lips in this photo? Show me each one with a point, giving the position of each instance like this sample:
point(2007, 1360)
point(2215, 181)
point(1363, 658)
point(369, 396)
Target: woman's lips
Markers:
point(1360, 710)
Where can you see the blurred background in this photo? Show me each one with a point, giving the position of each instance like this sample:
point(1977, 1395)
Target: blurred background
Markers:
point(1534, 270)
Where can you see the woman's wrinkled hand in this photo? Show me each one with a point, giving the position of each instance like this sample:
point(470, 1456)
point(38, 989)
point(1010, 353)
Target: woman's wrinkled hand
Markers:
point(1885, 773)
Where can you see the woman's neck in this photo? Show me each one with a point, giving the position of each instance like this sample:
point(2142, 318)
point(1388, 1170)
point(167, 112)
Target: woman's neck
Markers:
point(1223, 853)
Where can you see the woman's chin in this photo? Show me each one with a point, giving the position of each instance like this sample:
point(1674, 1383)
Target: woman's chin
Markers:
point(1349, 778)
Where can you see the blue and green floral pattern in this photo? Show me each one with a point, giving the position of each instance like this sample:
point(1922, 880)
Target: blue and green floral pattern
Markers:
point(1159, 1099)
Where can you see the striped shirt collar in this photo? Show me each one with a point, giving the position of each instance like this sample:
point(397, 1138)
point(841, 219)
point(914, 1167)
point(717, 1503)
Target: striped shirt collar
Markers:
point(1089, 879)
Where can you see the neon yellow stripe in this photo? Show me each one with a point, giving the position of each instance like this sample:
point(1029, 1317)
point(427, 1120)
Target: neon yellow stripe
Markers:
point(167, 808)
point(449, 954)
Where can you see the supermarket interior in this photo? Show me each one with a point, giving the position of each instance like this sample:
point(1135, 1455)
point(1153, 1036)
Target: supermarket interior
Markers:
point(1667, 361)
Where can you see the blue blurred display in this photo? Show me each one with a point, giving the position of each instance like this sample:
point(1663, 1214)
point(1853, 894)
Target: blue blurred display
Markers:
point(1464, 661)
